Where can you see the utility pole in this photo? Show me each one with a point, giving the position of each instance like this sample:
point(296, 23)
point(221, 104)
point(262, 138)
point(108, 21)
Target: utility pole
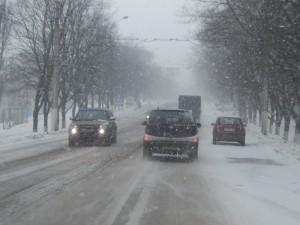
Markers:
point(55, 78)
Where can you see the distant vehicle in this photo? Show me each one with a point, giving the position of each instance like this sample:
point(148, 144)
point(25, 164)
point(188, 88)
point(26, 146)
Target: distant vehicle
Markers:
point(229, 129)
point(192, 103)
point(225, 107)
point(93, 126)
point(171, 132)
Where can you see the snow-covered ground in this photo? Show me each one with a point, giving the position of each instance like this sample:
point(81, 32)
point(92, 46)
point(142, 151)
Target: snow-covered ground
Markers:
point(259, 183)
point(20, 142)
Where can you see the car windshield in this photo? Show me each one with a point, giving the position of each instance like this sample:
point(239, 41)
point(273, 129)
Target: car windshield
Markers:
point(86, 115)
point(170, 117)
point(230, 121)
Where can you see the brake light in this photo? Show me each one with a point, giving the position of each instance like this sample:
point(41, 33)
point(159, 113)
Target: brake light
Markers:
point(195, 140)
point(147, 138)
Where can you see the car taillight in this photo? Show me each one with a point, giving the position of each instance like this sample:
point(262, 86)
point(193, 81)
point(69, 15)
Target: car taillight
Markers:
point(195, 140)
point(147, 138)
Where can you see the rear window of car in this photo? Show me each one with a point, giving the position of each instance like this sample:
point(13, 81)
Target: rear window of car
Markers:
point(230, 121)
point(168, 117)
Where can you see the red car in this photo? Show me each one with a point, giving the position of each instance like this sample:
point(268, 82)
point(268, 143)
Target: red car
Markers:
point(231, 129)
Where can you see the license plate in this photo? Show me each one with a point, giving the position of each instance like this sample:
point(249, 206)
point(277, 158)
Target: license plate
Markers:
point(229, 129)
point(170, 149)
point(87, 130)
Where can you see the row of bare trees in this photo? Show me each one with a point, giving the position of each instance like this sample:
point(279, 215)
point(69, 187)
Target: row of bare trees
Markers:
point(252, 52)
point(78, 41)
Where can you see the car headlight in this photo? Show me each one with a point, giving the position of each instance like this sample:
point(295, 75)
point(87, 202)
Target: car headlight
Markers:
point(101, 131)
point(74, 130)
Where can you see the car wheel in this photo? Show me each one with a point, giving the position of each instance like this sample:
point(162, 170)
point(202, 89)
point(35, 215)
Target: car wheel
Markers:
point(71, 143)
point(195, 156)
point(243, 142)
point(114, 139)
point(214, 140)
point(107, 141)
point(146, 154)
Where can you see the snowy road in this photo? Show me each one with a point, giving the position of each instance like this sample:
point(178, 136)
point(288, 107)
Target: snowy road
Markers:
point(230, 185)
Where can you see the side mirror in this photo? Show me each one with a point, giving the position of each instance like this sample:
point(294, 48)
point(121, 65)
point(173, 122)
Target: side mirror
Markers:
point(144, 123)
point(245, 124)
point(199, 125)
point(112, 118)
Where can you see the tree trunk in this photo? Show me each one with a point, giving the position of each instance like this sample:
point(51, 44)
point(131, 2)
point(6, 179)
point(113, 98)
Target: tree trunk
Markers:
point(287, 122)
point(242, 110)
point(56, 70)
point(272, 121)
point(63, 105)
point(58, 118)
point(46, 117)
point(35, 119)
point(260, 118)
point(92, 98)
point(36, 112)
point(297, 132)
point(254, 116)
point(271, 126)
point(63, 114)
point(278, 122)
point(46, 111)
point(99, 101)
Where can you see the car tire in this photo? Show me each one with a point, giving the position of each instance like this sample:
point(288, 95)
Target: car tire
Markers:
point(214, 140)
point(196, 157)
point(114, 139)
point(107, 141)
point(146, 154)
point(243, 142)
point(71, 143)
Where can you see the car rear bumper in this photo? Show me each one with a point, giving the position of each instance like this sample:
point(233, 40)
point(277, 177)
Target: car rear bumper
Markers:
point(230, 137)
point(171, 146)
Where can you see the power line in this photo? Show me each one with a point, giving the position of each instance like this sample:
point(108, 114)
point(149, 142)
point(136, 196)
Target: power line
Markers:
point(150, 40)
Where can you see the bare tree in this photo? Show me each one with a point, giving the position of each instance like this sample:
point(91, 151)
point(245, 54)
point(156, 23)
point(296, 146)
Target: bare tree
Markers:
point(252, 49)
point(6, 23)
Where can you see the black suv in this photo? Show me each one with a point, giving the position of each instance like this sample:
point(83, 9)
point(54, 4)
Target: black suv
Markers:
point(171, 132)
point(93, 126)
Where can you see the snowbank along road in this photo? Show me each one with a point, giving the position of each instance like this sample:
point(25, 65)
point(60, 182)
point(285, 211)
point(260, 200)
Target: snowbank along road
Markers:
point(113, 185)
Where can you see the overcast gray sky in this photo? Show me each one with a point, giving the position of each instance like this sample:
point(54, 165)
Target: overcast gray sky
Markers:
point(157, 19)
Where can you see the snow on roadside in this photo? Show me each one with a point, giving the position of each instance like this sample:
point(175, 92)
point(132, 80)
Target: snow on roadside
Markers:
point(20, 142)
point(288, 149)
point(259, 183)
